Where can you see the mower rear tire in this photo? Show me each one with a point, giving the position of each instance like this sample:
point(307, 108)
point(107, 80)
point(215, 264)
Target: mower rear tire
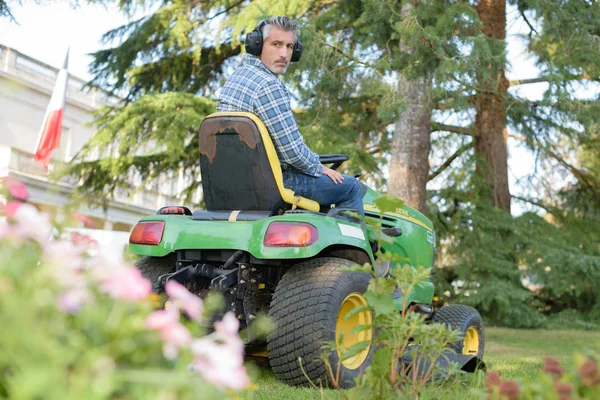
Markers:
point(468, 322)
point(309, 308)
point(153, 267)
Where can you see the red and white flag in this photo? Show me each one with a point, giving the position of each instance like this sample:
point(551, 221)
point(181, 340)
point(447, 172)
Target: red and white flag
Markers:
point(49, 137)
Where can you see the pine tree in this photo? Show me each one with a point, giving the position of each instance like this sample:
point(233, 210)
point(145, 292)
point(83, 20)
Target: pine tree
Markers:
point(411, 143)
point(5, 10)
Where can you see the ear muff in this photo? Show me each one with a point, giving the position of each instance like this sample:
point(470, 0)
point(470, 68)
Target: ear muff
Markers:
point(254, 40)
point(254, 43)
point(297, 52)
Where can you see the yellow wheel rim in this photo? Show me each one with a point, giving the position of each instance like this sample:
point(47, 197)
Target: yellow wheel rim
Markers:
point(344, 327)
point(471, 342)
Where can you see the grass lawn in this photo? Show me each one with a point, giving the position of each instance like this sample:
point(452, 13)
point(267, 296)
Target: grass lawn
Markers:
point(515, 354)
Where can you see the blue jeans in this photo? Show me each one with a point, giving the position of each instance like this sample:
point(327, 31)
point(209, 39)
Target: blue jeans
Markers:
point(324, 191)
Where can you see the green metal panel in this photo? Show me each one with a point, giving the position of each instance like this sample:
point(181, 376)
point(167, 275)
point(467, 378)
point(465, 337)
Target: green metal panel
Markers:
point(181, 232)
point(418, 239)
point(417, 243)
point(423, 294)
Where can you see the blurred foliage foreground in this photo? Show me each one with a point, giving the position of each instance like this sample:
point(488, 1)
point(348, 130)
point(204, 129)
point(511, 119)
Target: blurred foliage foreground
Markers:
point(81, 324)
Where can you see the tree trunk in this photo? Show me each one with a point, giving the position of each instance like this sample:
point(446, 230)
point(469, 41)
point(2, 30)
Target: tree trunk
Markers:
point(490, 121)
point(409, 166)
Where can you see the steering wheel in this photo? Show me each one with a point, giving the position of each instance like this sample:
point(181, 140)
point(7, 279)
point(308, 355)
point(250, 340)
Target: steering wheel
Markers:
point(335, 159)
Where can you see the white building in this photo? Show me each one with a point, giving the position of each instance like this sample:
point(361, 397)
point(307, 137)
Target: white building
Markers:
point(25, 89)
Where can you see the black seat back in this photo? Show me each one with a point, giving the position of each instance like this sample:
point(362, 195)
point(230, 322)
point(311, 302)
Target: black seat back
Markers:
point(236, 171)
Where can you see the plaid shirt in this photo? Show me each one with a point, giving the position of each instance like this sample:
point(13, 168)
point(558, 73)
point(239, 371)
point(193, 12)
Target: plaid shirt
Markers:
point(253, 88)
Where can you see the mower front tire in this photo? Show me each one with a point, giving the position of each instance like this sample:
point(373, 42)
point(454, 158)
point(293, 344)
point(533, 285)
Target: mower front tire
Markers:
point(309, 308)
point(468, 322)
point(153, 267)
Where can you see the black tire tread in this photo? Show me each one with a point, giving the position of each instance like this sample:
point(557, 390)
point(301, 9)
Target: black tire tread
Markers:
point(303, 301)
point(153, 267)
point(454, 316)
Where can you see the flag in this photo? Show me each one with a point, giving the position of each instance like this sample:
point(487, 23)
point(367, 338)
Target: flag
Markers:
point(49, 137)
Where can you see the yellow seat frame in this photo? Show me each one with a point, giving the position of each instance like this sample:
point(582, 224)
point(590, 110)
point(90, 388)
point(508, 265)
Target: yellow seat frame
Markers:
point(287, 195)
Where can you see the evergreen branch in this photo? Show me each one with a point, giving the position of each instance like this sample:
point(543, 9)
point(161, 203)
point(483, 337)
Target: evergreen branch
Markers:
point(534, 114)
point(560, 105)
point(586, 179)
point(448, 104)
point(452, 128)
point(374, 150)
point(226, 10)
point(527, 81)
point(6, 12)
point(352, 58)
point(548, 208)
point(531, 28)
point(541, 79)
point(449, 161)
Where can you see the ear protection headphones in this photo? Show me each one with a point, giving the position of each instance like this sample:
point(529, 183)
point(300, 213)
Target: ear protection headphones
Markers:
point(254, 42)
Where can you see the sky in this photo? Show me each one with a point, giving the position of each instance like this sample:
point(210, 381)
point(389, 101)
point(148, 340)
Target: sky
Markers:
point(44, 31)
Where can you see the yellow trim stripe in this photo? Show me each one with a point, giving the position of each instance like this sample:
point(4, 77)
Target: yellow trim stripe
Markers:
point(286, 194)
point(369, 207)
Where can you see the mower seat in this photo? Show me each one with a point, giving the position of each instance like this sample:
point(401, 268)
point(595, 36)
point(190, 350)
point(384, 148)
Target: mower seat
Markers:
point(240, 168)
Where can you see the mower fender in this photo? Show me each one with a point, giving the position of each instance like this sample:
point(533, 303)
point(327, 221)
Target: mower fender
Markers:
point(181, 232)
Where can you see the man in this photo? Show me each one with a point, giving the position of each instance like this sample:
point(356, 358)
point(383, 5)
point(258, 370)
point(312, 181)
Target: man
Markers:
point(255, 87)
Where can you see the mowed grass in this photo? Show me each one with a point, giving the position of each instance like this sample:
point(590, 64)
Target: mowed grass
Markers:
point(520, 353)
point(515, 354)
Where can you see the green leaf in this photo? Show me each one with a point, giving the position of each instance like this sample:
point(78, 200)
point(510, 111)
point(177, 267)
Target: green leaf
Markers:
point(380, 302)
point(388, 203)
point(349, 352)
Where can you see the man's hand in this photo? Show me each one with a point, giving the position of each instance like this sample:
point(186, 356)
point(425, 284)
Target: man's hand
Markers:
point(336, 177)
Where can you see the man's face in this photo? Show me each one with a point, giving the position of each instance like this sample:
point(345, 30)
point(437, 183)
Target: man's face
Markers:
point(277, 50)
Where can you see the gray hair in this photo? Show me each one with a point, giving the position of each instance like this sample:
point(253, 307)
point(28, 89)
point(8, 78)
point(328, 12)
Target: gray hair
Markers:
point(283, 23)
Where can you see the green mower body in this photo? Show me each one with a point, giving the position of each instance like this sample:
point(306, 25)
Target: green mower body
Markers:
point(269, 251)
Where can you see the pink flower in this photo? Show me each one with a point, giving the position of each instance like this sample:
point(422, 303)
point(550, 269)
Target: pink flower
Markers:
point(32, 224)
point(227, 331)
point(492, 380)
point(510, 389)
point(126, 284)
point(228, 326)
point(174, 335)
point(183, 299)
point(220, 364)
point(64, 255)
point(162, 318)
point(10, 209)
point(4, 230)
point(87, 221)
point(65, 264)
point(16, 189)
point(82, 240)
point(71, 301)
point(553, 367)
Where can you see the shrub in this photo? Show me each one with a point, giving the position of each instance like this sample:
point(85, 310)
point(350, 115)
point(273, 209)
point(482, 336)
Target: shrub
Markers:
point(393, 375)
point(78, 323)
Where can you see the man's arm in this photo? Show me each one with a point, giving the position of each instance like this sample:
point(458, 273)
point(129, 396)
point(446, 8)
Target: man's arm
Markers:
point(272, 106)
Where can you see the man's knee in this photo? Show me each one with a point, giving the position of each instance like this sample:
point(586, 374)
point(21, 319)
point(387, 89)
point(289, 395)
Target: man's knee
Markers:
point(353, 186)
